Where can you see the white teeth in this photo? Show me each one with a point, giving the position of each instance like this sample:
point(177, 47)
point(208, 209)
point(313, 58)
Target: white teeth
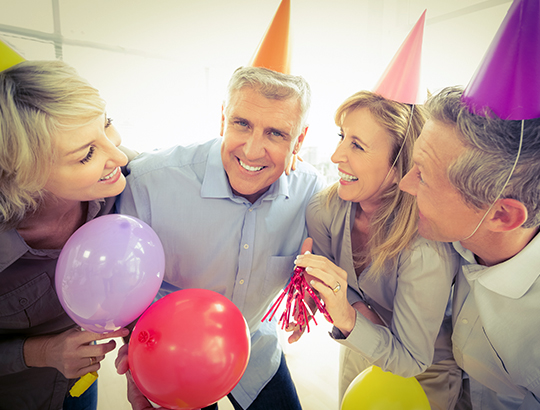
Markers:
point(347, 177)
point(112, 174)
point(247, 167)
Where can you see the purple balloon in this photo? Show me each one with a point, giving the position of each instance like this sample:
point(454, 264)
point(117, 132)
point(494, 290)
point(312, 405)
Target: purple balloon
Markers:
point(109, 272)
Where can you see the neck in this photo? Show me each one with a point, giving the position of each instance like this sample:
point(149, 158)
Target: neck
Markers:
point(496, 247)
point(52, 210)
point(53, 223)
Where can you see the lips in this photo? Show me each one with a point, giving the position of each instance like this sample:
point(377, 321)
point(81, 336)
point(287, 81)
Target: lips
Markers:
point(111, 175)
point(248, 167)
point(346, 177)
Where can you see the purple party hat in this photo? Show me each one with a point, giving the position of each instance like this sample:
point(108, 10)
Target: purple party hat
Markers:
point(507, 82)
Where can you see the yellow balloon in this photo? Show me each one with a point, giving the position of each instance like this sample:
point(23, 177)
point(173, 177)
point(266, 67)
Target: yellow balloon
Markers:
point(375, 389)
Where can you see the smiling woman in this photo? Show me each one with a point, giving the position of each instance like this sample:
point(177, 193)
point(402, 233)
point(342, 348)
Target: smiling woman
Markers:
point(59, 168)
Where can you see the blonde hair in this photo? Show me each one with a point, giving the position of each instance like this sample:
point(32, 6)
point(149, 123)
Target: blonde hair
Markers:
point(37, 100)
point(393, 226)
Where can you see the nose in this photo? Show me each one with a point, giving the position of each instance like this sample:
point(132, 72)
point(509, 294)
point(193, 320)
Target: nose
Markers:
point(339, 155)
point(254, 147)
point(409, 183)
point(117, 158)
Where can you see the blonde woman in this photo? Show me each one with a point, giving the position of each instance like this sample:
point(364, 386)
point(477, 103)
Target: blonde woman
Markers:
point(59, 167)
point(386, 288)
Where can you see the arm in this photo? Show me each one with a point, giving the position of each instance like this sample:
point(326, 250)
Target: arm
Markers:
point(70, 352)
point(423, 288)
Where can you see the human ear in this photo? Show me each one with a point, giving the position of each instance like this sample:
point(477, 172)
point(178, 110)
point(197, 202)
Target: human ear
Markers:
point(300, 140)
point(507, 214)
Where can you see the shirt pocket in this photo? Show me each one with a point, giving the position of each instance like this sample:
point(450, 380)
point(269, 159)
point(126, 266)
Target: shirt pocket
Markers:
point(29, 305)
point(279, 270)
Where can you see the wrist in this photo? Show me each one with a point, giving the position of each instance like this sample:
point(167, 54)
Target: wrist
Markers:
point(34, 349)
point(346, 326)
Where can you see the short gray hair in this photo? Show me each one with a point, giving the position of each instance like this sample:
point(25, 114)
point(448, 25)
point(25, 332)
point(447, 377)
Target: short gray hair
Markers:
point(492, 144)
point(272, 85)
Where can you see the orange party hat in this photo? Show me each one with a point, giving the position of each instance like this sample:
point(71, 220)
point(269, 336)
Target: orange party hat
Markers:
point(401, 80)
point(8, 56)
point(274, 49)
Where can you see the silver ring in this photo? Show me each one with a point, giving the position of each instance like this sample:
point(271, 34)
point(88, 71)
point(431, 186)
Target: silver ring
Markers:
point(93, 360)
point(336, 288)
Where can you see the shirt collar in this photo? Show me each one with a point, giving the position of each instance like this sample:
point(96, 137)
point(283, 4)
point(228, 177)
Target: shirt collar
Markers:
point(216, 183)
point(13, 246)
point(511, 278)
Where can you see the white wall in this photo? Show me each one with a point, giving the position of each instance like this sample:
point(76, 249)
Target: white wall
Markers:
point(163, 65)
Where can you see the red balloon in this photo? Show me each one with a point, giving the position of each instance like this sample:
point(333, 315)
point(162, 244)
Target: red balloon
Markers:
point(189, 349)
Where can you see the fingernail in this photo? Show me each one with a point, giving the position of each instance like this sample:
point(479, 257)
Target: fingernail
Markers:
point(312, 282)
point(307, 253)
point(309, 269)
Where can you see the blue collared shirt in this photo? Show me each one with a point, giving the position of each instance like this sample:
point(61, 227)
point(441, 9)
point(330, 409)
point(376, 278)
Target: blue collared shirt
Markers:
point(216, 240)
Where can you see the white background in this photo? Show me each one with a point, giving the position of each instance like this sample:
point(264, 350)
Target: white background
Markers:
point(163, 65)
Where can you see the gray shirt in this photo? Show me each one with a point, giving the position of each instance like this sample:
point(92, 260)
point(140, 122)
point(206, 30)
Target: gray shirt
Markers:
point(29, 307)
point(412, 299)
point(496, 327)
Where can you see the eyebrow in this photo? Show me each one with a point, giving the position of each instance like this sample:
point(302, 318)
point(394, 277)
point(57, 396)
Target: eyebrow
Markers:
point(76, 150)
point(270, 129)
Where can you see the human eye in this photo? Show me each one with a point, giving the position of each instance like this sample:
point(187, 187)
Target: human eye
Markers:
point(88, 155)
point(357, 146)
point(276, 133)
point(341, 136)
point(108, 122)
point(241, 123)
point(419, 176)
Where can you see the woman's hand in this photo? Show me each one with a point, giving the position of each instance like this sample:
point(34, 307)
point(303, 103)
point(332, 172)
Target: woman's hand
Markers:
point(291, 166)
point(331, 283)
point(71, 352)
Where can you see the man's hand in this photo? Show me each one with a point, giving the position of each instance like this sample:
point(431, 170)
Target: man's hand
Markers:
point(136, 398)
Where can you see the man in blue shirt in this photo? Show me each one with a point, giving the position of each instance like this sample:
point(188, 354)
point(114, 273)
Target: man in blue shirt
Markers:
point(231, 220)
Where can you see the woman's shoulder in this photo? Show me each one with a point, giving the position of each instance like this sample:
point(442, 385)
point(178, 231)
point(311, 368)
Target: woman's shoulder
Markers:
point(325, 206)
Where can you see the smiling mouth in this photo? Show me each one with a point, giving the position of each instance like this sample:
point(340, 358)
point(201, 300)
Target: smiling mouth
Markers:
point(111, 175)
point(347, 177)
point(249, 168)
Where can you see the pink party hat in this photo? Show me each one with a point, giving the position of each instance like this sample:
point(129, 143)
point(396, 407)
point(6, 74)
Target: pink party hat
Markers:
point(274, 49)
point(508, 78)
point(401, 80)
point(8, 56)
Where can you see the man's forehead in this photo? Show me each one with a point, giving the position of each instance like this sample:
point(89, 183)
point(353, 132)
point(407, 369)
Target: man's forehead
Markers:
point(437, 146)
point(248, 100)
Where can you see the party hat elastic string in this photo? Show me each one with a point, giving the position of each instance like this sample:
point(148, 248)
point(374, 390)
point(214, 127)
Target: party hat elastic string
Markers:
point(505, 184)
point(402, 145)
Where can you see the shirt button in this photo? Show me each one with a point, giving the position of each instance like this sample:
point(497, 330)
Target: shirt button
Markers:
point(250, 209)
point(464, 321)
point(23, 301)
point(246, 246)
point(241, 281)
